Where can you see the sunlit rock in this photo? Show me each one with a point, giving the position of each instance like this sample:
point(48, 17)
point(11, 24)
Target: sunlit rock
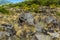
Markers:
point(26, 17)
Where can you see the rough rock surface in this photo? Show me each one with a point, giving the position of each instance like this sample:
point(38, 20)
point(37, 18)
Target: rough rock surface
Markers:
point(26, 17)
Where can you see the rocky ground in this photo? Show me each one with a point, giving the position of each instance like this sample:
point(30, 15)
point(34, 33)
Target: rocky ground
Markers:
point(44, 25)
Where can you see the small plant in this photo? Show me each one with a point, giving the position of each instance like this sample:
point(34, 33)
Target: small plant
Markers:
point(52, 6)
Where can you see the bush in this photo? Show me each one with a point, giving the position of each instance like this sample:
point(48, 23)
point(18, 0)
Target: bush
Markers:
point(58, 14)
point(3, 10)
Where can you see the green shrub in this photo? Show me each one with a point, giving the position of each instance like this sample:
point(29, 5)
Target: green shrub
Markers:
point(3, 10)
point(58, 14)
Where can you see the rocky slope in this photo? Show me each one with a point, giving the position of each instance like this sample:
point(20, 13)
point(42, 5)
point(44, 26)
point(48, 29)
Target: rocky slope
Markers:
point(44, 25)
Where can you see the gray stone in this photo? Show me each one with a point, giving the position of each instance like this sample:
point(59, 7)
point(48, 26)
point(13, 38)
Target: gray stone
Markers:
point(55, 35)
point(26, 17)
point(8, 26)
point(9, 29)
point(49, 19)
point(3, 34)
point(8, 32)
point(42, 37)
point(38, 27)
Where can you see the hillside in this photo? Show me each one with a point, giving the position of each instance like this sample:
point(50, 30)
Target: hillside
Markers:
point(29, 21)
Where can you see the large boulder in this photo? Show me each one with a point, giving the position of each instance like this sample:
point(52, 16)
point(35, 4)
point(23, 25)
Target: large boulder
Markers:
point(26, 17)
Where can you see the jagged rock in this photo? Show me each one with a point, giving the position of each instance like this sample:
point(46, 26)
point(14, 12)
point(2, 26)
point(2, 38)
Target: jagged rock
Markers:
point(42, 37)
point(38, 27)
point(54, 35)
point(9, 29)
point(50, 19)
point(44, 31)
point(55, 23)
point(51, 32)
point(7, 26)
point(4, 34)
point(47, 10)
point(26, 17)
point(51, 29)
